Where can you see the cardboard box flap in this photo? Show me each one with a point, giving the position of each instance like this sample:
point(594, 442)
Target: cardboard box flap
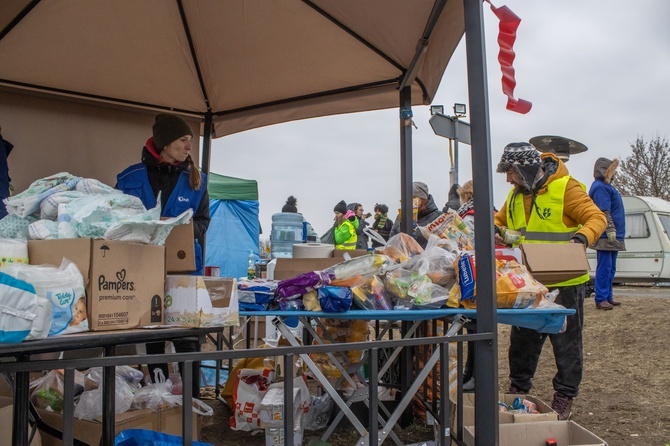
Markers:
point(288, 268)
point(52, 252)
point(180, 250)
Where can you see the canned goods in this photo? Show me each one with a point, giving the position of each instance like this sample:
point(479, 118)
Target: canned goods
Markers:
point(509, 236)
point(212, 271)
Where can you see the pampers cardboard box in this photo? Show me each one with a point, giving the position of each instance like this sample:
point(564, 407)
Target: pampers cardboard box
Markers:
point(124, 281)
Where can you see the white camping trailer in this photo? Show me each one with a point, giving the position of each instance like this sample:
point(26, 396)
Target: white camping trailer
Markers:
point(647, 255)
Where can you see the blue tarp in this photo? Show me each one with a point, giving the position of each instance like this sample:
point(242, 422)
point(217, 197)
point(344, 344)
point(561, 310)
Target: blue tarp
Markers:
point(233, 232)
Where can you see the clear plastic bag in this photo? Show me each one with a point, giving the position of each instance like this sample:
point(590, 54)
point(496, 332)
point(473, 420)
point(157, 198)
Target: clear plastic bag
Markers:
point(319, 412)
point(90, 402)
point(159, 394)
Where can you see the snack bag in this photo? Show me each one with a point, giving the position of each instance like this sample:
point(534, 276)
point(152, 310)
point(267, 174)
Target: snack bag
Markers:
point(451, 227)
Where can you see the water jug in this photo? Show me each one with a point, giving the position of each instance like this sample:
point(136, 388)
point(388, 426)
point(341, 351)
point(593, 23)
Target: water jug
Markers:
point(286, 230)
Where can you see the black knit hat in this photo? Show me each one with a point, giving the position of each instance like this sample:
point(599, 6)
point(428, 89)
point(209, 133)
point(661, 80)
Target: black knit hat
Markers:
point(518, 154)
point(290, 205)
point(168, 128)
point(341, 207)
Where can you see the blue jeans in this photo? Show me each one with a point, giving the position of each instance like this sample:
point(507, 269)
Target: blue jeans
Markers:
point(605, 270)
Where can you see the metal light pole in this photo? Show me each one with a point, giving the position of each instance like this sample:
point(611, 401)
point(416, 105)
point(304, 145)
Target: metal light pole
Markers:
point(453, 128)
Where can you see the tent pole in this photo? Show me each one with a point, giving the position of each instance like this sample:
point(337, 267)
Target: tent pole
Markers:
point(406, 227)
point(206, 157)
point(207, 141)
point(486, 353)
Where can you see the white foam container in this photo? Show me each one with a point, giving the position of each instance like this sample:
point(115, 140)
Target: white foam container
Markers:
point(313, 250)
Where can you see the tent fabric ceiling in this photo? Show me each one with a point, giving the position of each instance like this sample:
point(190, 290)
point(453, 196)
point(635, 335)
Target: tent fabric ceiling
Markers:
point(249, 62)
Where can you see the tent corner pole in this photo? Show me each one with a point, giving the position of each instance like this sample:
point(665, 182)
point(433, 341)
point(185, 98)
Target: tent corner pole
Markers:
point(486, 352)
point(207, 141)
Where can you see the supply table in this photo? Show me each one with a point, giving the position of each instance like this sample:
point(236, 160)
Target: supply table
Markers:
point(543, 320)
point(107, 341)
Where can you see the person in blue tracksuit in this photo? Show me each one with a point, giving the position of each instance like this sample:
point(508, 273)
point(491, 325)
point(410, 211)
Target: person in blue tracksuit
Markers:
point(167, 168)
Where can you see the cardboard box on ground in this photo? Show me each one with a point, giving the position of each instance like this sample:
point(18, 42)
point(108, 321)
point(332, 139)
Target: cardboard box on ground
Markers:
point(566, 433)
point(546, 413)
point(124, 281)
point(555, 262)
point(168, 421)
point(7, 421)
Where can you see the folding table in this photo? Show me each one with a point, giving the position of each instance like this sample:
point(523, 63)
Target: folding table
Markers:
point(543, 320)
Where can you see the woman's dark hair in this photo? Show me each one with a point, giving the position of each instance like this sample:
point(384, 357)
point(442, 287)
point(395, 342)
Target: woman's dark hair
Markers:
point(381, 208)
point(194, 178)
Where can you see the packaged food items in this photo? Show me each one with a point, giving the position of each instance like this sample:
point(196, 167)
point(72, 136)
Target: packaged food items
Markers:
point(340, 331)
point(515, 286)
point(370, 294)
point(527, 405)
point(510, 237)
point(359, 266)
point(451, 227)
point(400, 248)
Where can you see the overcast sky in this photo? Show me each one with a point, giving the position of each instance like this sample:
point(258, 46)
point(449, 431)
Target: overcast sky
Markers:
point(597, 72)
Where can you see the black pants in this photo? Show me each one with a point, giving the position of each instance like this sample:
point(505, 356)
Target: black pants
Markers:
point(186, 345)
point(526, 346)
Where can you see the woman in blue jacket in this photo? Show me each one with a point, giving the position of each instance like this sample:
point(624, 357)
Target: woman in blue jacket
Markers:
point(167, 168)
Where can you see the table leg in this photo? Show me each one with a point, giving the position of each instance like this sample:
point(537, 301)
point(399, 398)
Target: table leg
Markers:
point(21, 402)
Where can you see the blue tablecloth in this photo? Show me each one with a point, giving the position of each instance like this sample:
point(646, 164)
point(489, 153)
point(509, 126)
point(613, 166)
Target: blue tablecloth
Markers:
point(542, 320)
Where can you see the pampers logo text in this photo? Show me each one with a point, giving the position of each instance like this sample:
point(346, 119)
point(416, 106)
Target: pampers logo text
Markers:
point(116, 285)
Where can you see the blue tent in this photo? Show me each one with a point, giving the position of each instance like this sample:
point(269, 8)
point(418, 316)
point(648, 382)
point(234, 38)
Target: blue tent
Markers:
point(235, 229)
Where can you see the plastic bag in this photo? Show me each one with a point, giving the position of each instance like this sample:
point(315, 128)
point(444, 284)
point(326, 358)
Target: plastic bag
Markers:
point(159, 394)
point(451, 227)
point(400, 248)
point(370, 294)
point(329, 236)
point(334, 299)
point(130, 375)
point(303, 284)
point(248, 392)
point(360, 266)
point(144, 437)
point(90, 402)
point(515, 286)
point(319, 412)
point(48, 391)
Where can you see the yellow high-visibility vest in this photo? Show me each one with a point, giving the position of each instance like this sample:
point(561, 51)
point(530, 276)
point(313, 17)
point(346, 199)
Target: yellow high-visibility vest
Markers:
point(545, 224)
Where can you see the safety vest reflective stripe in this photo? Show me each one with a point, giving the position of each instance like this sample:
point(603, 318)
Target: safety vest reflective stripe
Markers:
point(545, 223)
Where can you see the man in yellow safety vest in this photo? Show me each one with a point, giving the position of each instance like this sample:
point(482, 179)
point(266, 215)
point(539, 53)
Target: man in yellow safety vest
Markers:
point(547, 205)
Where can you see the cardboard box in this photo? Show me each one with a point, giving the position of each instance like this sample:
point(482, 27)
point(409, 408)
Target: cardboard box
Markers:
point(180, 250)
point(546, 412)
point(288, 268)
point(339, 253)
point(167, 421)
point(124, 281)
point(7, 421)
point(566, 433)
point(187, 304)
point(555, 262)
point(220, 290)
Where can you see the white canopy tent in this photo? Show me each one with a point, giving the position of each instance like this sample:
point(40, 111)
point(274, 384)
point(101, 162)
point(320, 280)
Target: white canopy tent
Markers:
point(81, 80)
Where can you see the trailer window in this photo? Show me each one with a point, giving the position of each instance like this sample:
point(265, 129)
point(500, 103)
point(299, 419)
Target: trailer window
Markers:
point(665, 221)
point(636, 226)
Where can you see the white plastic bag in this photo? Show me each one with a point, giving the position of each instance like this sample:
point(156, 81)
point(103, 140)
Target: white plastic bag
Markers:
point(249, 389)
point(90, 402)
